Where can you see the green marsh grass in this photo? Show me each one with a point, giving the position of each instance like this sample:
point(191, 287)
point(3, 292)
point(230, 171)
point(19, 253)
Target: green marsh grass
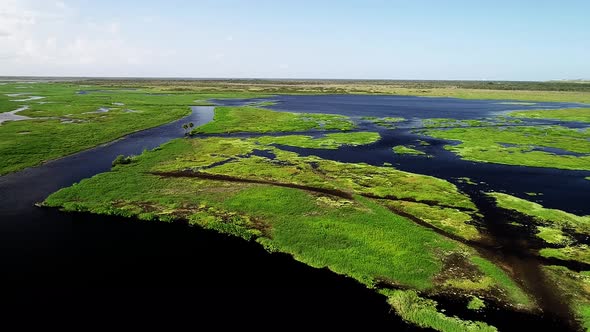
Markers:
point(569, 114)
point(550, 217)
point(328, 141)
point(423, 312)
point(261, 120)
point(450, 220)
point(63, 122)
point(386, 122)
point(579, 253)
point(552, 235)
point(476, 304)
point(575, 287)
point(515, 145)
point(551, 224)
point(401, 149)
point(355, 236)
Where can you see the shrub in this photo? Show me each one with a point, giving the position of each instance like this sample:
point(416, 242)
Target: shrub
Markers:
point(122, 160)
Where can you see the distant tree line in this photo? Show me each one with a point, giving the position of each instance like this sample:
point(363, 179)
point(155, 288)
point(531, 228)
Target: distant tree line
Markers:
point(333, 86)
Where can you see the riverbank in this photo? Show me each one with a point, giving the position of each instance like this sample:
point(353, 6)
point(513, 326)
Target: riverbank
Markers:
point(67, 121)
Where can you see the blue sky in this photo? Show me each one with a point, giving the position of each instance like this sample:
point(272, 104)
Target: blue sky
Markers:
point(421, 39)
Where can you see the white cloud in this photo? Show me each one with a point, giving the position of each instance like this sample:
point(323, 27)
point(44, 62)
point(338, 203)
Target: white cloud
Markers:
point(14, 19)
point(60, 4)
point(42, 38)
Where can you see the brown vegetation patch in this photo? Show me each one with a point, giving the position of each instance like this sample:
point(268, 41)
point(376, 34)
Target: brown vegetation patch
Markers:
point(220, 177)
point(457, 266)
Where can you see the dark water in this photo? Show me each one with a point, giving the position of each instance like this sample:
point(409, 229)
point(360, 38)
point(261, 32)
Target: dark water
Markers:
point(562, 189)
point(104, 268)
point(395, 106)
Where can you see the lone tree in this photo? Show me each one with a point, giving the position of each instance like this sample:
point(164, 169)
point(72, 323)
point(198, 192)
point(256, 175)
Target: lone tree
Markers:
point(188, 127)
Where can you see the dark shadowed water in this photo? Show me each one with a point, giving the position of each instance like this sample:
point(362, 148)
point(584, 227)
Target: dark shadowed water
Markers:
point(106, 268)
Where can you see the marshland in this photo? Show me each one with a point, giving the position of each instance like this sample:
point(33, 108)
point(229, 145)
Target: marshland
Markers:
point(392, 201)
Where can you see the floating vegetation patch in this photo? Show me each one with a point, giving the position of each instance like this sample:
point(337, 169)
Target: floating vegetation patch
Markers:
point(424, 313)
point(519, 145)
point(521, 103)
point(568, 114)
point(260, 120)
point(327, 141)
point(553, 227)
point(466, 180)
point(386, 122)
point(407, 150)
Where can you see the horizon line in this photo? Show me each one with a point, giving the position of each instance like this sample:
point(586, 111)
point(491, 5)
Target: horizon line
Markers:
point(178, 78)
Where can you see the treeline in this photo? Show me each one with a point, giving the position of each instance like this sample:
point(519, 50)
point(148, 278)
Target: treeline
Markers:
point(293, 85)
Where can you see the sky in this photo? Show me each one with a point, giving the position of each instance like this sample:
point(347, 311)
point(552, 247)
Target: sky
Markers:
point(370, 39)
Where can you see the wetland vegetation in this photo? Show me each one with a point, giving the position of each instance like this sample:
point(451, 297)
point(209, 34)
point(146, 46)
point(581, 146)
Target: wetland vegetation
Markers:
point(327, 141)
point(401, 149)
point(537, 146)
point(495, 90)
point(386, 122)
point(569, 114)
point(558, 229)
point(562, 233)
point(425, 314)
point(576, 288)
point(65, 121)
point(324, 213)
point(283, 177)
point(259, 120)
